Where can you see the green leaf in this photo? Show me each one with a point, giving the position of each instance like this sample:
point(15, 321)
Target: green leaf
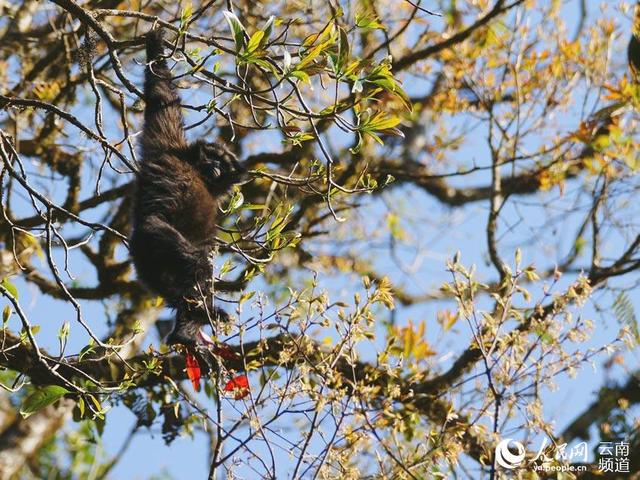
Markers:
point(227, 266)
point(237, 29)
point(63, 333)
point(267, 29)
point(382, 77)
point(86, 350)
point(81, 406)
point(10, 287)
point(41, 398)
point(343, 56)
point(235, 202)
point(367, 21)
point(99, 412)
point(301, 75)
point(311, 55)
point(380, 122)
point(254, 41)
point(266, 65)
point(185, 15)
point(253, 206)
point(375, 137)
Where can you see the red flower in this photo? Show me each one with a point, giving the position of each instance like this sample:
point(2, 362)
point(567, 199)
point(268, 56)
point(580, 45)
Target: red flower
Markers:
point(193, 371)
point(239, 386)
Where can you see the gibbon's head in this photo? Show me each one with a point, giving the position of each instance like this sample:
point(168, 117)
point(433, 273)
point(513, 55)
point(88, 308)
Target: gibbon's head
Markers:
point(219, 167)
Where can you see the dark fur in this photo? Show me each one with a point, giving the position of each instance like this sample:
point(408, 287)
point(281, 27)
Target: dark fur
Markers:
point(175, 210)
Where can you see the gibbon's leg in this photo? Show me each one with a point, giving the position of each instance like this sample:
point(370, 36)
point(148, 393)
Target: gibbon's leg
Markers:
point(163, 122)
point(167, 262)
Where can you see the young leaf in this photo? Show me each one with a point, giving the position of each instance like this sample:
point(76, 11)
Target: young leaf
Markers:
point(367, 21)
point(63, 333)
point(10, 287)
point(237, 29)
point(255, 41)
point(343, 55)
point(311, 55)
point(185, 16)
point(267, 29)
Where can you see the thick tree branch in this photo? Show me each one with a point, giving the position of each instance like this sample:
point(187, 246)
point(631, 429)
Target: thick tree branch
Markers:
point(600, 409)
point(499, 8)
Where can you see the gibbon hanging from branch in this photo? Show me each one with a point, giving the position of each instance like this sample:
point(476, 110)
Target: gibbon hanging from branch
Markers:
point(174, 218)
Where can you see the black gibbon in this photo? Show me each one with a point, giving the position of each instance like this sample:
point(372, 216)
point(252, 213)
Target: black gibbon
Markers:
point(633, 54)
point(174, 216)
point(633, 49)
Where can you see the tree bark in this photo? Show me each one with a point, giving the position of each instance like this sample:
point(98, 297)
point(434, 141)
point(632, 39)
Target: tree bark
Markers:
point(25, 437)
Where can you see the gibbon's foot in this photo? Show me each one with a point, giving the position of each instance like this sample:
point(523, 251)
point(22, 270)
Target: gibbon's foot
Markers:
point(190, 335)
point(188, 329)
point(155, 44)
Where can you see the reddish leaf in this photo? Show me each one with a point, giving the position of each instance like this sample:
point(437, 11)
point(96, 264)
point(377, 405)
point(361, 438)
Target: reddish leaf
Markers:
point(224, 351)
point(239, 386)
point(291, 129)
point(193, 371)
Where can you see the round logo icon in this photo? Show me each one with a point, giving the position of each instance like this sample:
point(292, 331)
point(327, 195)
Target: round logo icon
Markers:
point(505, 458)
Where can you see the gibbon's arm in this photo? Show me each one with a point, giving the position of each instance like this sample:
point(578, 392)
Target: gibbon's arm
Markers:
point(163, 122)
